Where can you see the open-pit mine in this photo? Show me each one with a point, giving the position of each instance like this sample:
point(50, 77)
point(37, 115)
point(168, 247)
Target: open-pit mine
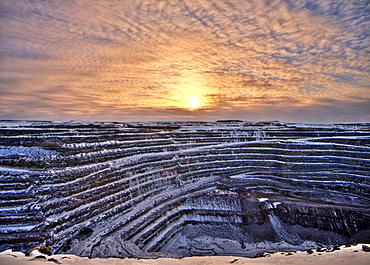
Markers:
point(176, 189)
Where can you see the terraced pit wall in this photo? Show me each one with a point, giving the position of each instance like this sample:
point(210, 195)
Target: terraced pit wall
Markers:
point(183, 188)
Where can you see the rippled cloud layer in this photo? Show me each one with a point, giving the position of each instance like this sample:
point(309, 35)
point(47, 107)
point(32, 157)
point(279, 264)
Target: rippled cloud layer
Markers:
point(185, 59)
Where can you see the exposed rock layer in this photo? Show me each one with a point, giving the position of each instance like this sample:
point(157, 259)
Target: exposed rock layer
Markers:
point(184, 188)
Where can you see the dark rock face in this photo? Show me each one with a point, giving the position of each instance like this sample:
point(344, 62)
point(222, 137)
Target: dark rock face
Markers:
point(42, 249)
point(183, 188)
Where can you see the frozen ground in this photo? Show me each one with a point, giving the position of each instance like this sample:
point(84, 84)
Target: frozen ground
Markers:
point(345, 256)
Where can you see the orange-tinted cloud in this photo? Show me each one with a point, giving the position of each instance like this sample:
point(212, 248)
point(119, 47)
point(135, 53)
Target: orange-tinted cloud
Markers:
point(146, 60)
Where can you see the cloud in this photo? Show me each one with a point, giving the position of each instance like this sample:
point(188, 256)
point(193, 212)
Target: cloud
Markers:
point(91, 59)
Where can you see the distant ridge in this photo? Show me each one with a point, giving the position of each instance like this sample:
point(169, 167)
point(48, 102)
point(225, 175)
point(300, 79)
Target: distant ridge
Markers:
point(236, 121)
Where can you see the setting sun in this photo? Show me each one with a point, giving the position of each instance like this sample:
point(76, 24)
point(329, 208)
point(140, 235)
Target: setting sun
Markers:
point(193, 103)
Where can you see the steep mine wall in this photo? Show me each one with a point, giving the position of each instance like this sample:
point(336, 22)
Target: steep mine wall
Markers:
point(183, 188)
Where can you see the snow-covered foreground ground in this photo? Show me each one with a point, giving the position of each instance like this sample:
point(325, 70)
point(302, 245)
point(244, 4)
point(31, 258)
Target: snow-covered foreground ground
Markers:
point(353, 255)
point(180, 189)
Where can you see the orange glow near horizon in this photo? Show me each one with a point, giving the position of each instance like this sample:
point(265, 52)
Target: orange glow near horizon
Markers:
point(189, 91)
point(193, 103)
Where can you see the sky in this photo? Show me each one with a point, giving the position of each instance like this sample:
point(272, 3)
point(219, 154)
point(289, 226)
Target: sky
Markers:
point(151, 60)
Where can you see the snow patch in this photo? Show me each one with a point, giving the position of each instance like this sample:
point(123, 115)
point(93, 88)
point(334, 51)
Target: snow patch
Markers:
point(32, 152)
